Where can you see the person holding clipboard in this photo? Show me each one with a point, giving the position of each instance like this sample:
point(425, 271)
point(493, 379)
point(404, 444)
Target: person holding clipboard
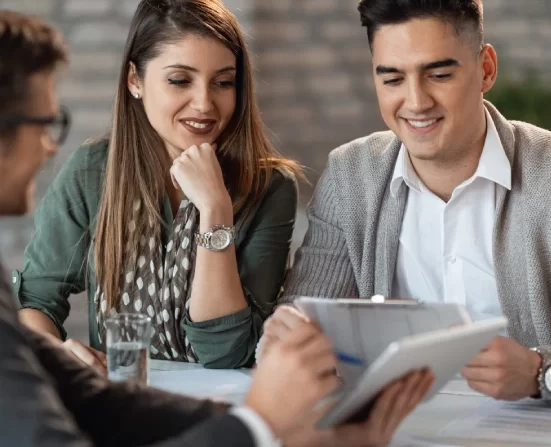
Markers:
point(451, 205)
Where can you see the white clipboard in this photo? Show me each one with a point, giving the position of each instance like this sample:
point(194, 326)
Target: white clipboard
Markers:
point(363, 328)
point(444, 351)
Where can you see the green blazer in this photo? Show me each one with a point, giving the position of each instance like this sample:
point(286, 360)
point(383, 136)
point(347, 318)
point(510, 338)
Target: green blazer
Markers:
point(59, 258)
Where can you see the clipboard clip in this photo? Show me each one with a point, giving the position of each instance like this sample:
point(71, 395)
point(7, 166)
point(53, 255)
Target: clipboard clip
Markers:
point(380, 299)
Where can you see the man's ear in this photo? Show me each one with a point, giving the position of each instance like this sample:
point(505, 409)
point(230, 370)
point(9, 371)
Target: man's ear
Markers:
point(488, 61)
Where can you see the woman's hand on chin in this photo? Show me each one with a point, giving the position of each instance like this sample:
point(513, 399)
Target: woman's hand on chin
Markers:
point(198, 174)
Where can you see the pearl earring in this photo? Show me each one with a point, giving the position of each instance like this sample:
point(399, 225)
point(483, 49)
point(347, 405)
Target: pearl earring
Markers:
point(136, 95)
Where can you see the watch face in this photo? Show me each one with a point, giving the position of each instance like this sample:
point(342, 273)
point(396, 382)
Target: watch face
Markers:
point(220, 239)
point(547, 378)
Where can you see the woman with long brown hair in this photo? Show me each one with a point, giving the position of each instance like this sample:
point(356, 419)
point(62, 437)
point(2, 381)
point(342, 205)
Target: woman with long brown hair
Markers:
point(185, 213)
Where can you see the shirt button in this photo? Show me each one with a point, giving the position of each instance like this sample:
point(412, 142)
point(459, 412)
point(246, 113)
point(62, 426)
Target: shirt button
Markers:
point(453, 259)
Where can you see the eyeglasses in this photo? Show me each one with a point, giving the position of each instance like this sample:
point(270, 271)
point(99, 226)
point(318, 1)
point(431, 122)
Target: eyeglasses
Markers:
point(56, 126)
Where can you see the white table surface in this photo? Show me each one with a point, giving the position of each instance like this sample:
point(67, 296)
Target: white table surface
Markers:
point(424, 423)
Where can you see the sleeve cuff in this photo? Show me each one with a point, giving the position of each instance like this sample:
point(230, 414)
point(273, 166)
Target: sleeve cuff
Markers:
point(225, 321)
point(16, 287)
point(261, 432)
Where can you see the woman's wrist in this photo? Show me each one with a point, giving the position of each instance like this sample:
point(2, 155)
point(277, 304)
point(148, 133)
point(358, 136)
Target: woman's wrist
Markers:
point(217, 212)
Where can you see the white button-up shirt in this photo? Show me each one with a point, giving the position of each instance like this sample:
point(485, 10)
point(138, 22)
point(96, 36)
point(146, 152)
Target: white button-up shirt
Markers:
point(445, 249)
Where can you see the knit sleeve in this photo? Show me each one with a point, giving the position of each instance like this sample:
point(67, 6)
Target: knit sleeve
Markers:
point(322, 266)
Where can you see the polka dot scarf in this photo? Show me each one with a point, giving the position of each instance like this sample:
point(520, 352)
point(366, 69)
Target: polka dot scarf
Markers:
point(160, 292)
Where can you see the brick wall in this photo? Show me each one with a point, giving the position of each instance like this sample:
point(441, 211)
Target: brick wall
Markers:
point(315, 84)
point(313, 73)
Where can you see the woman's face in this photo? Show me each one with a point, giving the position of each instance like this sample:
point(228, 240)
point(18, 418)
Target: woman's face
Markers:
point(188, 91)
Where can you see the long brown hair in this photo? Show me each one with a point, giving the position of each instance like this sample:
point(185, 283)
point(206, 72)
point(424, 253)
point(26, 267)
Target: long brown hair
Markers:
point(137, 163)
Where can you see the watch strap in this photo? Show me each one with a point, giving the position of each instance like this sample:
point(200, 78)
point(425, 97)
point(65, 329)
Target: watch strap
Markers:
point(204, 239)
point(545, 354)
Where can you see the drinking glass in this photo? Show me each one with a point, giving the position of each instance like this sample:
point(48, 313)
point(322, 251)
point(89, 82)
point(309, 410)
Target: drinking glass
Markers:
point(128, 338)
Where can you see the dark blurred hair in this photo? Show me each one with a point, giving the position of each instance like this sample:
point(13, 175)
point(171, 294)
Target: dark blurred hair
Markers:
point(27, 46)
point(463, 14)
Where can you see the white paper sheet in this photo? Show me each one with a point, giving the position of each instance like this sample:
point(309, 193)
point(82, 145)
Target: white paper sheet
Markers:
point(458, 387)
point(527, 422)
point(220, 385)
point(406, 441)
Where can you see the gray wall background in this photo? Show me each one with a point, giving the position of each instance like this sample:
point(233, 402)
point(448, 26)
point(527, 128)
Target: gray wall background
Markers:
point(313, 78)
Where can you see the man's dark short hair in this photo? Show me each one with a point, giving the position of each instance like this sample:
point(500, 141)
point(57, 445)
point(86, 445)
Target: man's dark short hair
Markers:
point(465, 15)
point(28, 46)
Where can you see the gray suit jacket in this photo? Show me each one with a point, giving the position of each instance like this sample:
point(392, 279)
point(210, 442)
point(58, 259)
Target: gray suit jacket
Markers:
point(47, 398)
point(351, 246)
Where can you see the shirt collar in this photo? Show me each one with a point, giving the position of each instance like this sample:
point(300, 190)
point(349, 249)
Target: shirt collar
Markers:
point(404, 172)
point(493, 164)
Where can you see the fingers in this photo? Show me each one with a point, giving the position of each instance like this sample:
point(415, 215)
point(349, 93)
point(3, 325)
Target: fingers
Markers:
point(264, 345)
point(87, 355)
point(486, 388)
point(268, 326)
point(400, 406)
point(484, 359)
point(100, 364)
point(275, 329)
point(174, 171)
point(421, 391)
point(327, 385)
point(207, 147)
point(193, 151)
point(80, 351)
point(312, 347)
point(414, 389)
point(173, 179)
point(284, 319)
point(190, 151)
point(319, 354)
point(309, 344)
point(195, 154)
point(395, 403)
point(403, 404)
point(481, 374)
point(371, 432)
point(497, 343)
point(298, 336)
point(318, 346)
point(267, 339)
point(383, 408)
point(100, 356)
point(289, 316)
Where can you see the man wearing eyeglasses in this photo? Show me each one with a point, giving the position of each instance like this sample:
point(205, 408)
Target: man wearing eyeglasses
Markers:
point(32, 125)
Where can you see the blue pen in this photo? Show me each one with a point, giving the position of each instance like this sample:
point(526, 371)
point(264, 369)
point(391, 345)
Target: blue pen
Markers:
point(347, 358)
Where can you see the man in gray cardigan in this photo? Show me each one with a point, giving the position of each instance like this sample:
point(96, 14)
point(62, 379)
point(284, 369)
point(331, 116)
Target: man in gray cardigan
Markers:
point(452, 204)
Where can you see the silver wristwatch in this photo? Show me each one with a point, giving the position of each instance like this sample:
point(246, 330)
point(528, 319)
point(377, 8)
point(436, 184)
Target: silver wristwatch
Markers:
point(544, 373)
point(218, 238)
